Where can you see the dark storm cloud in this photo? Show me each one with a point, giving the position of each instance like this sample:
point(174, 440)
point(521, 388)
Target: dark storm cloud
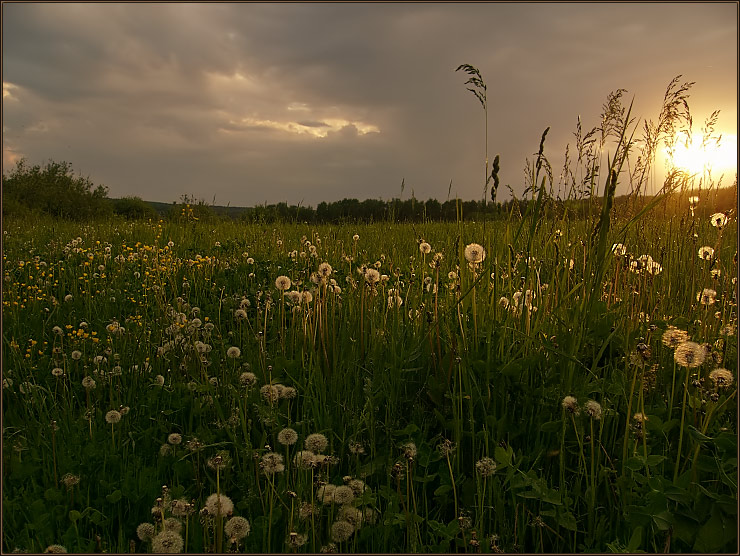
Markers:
point(300, 101)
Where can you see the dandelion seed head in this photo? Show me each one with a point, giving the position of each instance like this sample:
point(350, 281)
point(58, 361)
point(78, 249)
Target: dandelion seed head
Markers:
point(718, 220)
point(343, 494)
point(219, 504)
point(55, 549)
point(174, 438)
point(272, 463)
point(237, 527)
point(145, 531)
point(485, 467)
point(707, 296)
point(112, 417)
point(287, 437)
point(425, 248)
point(282, 283)
point(593, 409)
point(167, 542)
point(722, 378)
point(673, 337)
point(341, 531)
point(474, 253)
point(316, 443)
point(689, 354)
point(570, 404)
point(233, 352)
point(706, 253)
point(172, 524)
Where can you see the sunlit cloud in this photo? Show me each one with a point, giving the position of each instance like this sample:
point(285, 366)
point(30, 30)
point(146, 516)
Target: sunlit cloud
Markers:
point(8, 89)
point(319, 129)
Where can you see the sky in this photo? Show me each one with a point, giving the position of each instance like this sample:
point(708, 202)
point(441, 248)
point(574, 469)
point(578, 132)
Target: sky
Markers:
point(252, 103)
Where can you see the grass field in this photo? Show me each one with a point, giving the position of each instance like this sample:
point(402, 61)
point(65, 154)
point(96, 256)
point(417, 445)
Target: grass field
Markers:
point(528, 385)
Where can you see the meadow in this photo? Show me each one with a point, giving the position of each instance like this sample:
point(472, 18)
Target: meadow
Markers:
point(198, 387)
point(547, 382)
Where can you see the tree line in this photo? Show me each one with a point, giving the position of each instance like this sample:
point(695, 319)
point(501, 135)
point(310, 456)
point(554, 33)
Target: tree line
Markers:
point(56, 190)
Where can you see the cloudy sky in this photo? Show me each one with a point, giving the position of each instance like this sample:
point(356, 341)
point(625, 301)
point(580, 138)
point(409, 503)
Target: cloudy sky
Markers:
point(247, 103)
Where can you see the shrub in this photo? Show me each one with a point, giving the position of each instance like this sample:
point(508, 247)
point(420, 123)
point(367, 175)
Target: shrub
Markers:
point(133, 208)
point(54, 190)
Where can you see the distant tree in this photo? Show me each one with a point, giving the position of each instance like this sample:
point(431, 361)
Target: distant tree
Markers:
point(133, 208)
point(54, 189)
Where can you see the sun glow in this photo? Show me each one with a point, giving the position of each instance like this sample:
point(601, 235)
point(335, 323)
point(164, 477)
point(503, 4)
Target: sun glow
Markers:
point(719, 157)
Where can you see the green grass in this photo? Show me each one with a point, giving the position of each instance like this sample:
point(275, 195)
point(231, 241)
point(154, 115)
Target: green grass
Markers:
point(559, 394)
point(452, 370)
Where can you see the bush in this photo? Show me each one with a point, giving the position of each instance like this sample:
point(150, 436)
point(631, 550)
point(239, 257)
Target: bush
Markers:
point(54, 190)
point(133, 208)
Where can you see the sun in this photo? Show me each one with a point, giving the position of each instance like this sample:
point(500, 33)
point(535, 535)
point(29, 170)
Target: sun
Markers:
point(717, 157)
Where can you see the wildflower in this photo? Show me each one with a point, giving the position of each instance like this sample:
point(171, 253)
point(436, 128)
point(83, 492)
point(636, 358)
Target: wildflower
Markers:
point(356, 448)
point(357, 486)
point(174, 438)
point(475, 253)
point(219, 504)
point(233, 352)
point(722, 378)
point(145, 531)
point(181, 508)
point(69, 480)
point(485, 467)
point(165, 450)
point(306, 297)
point(341, 531)
point(446, 447)
point(159, 379)
point(247, 379)
point(237, 528)
point(706, 253)
point(304, 459)
point(672, 337)
point(593, 409)
point(409, 450)
point(112, 417)
point(270, 392)
point(240, 314)
point(55, 549)
point(715, 273)
point(343, 494)
point(326, 493)
point(316, 443)
point(689, 354)
point(619, 250)
point(167, 542)
point(172, 524)
point(325, 270)
point(718, 220)
point(654, 268)
point(76, 354)
point(296, 540)
point(68, 298)
point(355, 237)
point(250, 260)
point(287, 437)
point(372, 276)
point(272, 463)
point(707, 296)
point(351, 514)
point(282, 283)
point(570, 404)
point(57, 372)
point(425, 248)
